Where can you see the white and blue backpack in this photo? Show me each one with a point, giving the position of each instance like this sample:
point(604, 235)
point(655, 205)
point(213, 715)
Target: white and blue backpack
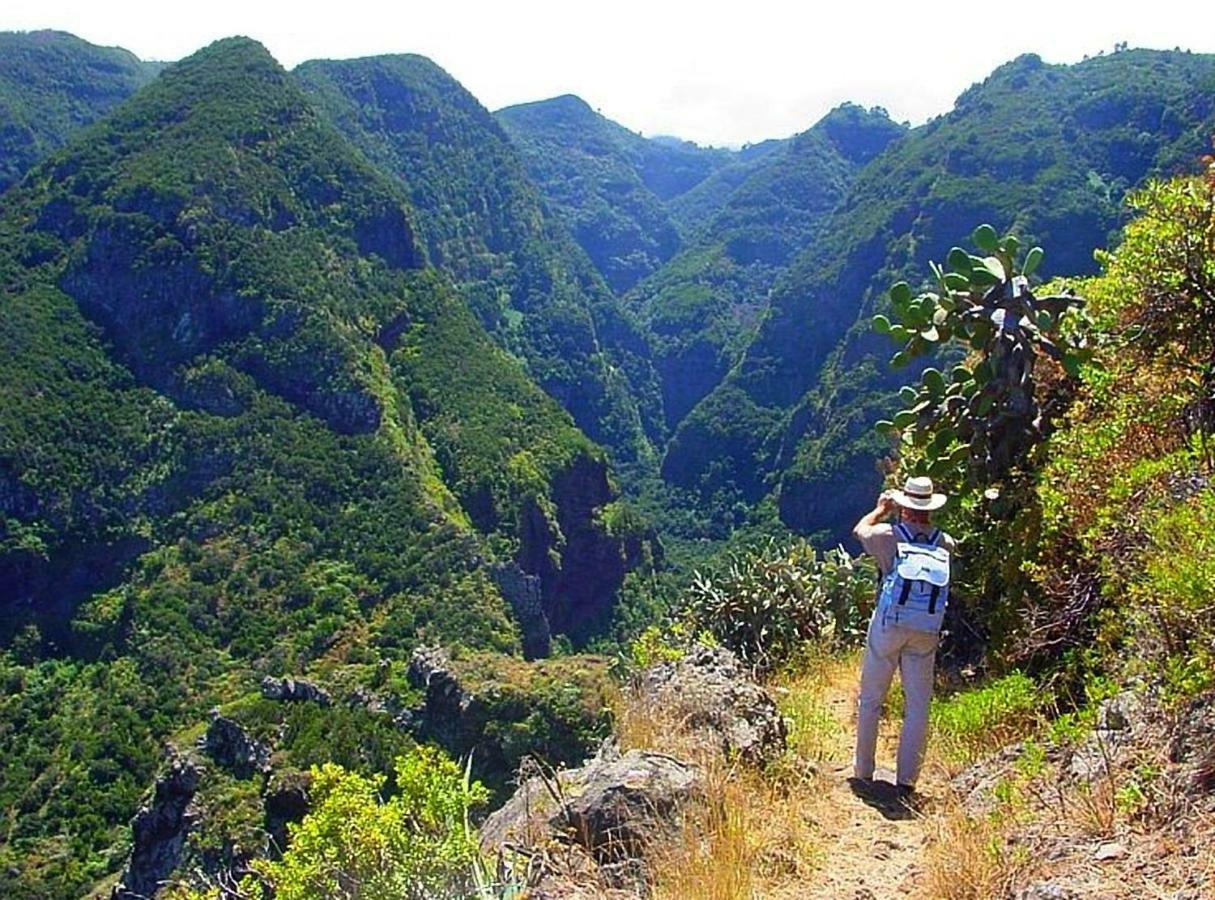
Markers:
point(916, 590)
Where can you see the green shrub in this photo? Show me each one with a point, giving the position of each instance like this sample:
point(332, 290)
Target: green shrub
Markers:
point(1174, 598)
point(769, 600)
point(354, 843)
point(972, 723)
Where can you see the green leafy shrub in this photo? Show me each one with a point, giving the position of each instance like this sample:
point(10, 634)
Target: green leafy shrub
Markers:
point(768, 600)
point(972, 723)
point(355, 843)
point(1122, 484)
point(1177, 593)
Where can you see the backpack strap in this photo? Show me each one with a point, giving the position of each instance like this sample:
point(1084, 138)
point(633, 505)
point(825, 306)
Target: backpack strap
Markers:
point(904, 532)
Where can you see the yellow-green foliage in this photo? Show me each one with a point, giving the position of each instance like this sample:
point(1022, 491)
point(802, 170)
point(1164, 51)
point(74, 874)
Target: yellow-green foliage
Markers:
point(972, 723)
point(1177, 592)
point(1121, 489)
point(355, 843)
point(657, 645)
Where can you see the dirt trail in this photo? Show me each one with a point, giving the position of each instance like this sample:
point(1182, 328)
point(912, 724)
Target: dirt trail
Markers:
point(872, 846)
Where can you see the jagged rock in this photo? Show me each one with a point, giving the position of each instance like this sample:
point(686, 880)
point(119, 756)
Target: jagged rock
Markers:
point(293, 690)
point(1120, 713)
point(614, 807)
point(449, 713)
point(159, 830)
point(233, 748)
point(523, 593)
point(285, 800)
point(709, 690)
point(1192, 744)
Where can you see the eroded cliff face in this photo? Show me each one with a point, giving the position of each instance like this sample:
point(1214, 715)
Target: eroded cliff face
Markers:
point(580, 565)
point(159, 831)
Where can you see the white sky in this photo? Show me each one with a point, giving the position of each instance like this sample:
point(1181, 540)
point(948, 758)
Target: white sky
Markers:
point(713, 72)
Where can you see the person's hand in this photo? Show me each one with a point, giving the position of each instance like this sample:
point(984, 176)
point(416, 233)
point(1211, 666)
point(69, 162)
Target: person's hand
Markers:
point(886, 504)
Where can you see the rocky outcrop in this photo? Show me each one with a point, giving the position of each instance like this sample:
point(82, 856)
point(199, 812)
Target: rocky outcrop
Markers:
point(501, 711)
point(709, 691)
point(159, 831)
point(233, 748)
point(450, 715)
point(286, 800)
point(1118, 721)
point(612, 808)
point(294, 690)
point(1192, 747)
point(624, 804)
point(526, 598)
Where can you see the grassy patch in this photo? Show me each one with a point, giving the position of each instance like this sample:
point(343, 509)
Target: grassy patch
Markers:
point(972, 723)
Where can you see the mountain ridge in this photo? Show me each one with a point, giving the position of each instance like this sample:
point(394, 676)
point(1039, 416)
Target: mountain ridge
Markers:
point(530, 285)
point(245, 431)
point(909, 205)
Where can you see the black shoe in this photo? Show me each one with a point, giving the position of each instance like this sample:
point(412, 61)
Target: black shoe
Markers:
point(908, 797)
point(862, 787)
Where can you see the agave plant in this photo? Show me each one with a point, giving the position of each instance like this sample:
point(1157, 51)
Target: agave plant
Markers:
point(976, 423)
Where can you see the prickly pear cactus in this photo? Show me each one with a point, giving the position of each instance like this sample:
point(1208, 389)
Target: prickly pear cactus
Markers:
point(974, 424)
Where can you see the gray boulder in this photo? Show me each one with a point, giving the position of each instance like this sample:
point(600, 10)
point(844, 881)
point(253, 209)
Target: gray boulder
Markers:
point(294, 690)
point(624, 804)
point(613, 807)
point(709, 691)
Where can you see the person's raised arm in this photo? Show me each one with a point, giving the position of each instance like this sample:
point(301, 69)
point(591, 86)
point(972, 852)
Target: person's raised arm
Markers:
point(873, 518)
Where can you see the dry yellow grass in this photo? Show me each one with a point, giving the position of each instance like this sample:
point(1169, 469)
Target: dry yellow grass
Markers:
point(967, 858)
point(795, 830)
point(749, 828)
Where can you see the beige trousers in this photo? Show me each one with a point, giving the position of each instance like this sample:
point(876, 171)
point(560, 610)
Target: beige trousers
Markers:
point(887, 647)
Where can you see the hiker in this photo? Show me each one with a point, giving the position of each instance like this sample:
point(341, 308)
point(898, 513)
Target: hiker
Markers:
point(913, 558)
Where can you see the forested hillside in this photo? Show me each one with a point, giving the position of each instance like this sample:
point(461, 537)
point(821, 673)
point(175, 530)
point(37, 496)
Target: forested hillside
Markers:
point(483, 221)
point(703, 305)
point(608, 184)
point(52, 83)
point(1046, 151)
point(245, 430)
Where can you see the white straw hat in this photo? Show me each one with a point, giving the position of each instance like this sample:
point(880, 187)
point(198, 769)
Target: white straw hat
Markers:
point(917, 493)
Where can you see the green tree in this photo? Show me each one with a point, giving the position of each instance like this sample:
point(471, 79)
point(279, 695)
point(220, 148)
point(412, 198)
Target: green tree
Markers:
point(354, 843)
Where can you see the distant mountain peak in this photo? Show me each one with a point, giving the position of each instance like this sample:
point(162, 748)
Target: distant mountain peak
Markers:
point(566, 108)
point(859, 134)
